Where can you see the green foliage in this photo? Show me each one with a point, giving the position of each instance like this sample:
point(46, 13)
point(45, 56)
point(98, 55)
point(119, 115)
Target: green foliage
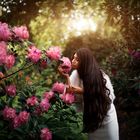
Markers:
point(68, 124)
point(53, 25)
point(126, 15)
point(101, 47)
point(33, 80)
point(124, 70)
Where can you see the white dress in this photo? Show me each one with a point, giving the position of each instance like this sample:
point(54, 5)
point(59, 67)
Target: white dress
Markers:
point(109, 129)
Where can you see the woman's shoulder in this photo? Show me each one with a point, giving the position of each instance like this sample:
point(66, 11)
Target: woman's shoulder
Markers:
point(74, 73)
point(106, 76)
point(75, 79)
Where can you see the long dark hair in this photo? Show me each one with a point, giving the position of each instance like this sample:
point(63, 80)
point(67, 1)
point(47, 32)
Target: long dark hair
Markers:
point(96, 95)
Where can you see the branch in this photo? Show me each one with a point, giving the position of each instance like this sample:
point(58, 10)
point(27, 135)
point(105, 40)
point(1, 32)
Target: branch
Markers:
point(16, 72)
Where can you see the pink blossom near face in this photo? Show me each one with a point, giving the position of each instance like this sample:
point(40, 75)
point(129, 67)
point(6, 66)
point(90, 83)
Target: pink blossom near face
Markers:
point(48, 95)
point(53, 53)
point(58, 87)
point(21, 32)
point(66, 64)
point(67, 98)
point(11, 90)
point(44, 104)
point(5, 33)
point(9, 113)
point(32, 101)
point(3, 52)
point(10, 61)
point(34, 54)
point(46, 134)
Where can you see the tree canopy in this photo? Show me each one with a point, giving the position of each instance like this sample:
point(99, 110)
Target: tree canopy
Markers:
point(49, 17)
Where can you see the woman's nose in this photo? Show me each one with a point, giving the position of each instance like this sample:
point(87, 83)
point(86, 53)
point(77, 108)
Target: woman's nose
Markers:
point(72, 61)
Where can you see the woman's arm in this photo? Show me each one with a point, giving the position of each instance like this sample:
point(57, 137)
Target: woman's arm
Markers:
point(76, 89)
point(70, 88)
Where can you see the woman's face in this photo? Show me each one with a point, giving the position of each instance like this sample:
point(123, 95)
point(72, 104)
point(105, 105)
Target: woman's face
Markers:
point(75, 62)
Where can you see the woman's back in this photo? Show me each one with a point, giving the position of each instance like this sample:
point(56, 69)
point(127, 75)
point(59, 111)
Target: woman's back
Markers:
point(109, 129)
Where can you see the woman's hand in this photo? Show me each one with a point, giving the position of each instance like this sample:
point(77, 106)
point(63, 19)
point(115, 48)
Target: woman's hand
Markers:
point(61, 71)
point(70, 88)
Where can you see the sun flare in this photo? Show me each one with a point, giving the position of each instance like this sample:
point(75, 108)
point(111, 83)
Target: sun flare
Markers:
point(83, 24)
point(80, 24)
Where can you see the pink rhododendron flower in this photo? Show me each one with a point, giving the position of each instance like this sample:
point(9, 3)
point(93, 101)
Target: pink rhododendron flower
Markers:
point(21, 32)
point(53, 53)
point(58, 87)
point(11, 90)
point(44, 104)
point(38, 111)
point(3, 52)
point(67, 98)
point(5, 33)
point(32, 101)
point(10, 61)
point(24, 116)
point(16, 122)
point(9, 113)
point(66, 64)
point(43, 64)
point(34, 54)
point(136, 54)
point(46, 134)
point(48, 95)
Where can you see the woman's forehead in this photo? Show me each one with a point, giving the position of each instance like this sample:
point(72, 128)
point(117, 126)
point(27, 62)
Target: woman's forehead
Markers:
point(75, 55)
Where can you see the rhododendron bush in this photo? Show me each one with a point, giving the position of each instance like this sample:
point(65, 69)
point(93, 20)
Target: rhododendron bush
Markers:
point(33, 102)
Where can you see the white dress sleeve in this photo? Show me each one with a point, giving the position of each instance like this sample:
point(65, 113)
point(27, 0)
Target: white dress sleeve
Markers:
point(75, 79)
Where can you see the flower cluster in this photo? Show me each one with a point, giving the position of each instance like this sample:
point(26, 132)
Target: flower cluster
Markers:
point(61, 89)
point(53, 53)
point(16, 120)
point(19, 108)
point(46, 134)
point(11, 90)
point(5, 58)
point(5, 33)
point(21, 32)
point(134, 53)
point(34, 54)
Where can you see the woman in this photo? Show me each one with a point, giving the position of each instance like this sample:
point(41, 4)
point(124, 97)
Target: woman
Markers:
point(88, 80)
